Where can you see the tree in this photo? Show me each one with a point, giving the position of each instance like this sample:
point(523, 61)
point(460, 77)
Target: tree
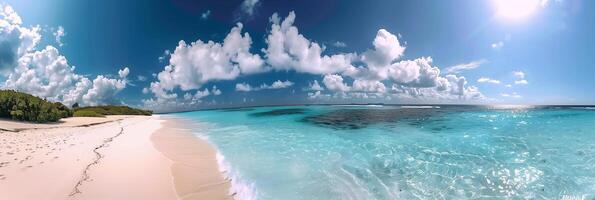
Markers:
point(26, 107)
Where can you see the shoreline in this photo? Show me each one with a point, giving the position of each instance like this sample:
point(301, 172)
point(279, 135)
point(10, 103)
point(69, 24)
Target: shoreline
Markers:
point(195, 171)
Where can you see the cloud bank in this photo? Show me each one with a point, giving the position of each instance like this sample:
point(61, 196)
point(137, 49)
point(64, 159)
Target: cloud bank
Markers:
point(378, 72)
point(45, 72)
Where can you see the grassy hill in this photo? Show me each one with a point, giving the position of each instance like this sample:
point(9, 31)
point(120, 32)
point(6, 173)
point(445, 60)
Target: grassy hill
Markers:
point(25, 107)
point(100, 111)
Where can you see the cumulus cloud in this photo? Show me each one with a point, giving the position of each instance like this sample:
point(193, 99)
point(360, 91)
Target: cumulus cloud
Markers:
point(488, 80)
point(334, 82)
point(415, 73)
point(244, 87)
point(192, 65)
point(315, 86)
point(450, 87)
point(278, 85)
point(369, 86)
point(15, 39)
point(387, 48)
point(58, 34)
point(287, 49)
point(455, 69)
point(104, 90)
point(46, 73)
point(520, 78)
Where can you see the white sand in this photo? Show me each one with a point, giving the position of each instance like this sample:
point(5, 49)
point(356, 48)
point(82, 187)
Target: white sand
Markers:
point(115, 159)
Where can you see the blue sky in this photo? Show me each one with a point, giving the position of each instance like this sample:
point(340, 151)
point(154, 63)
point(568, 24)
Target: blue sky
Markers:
point(542, 57)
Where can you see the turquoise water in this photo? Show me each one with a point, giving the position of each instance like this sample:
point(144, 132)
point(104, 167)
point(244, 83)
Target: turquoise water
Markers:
point(392, 152)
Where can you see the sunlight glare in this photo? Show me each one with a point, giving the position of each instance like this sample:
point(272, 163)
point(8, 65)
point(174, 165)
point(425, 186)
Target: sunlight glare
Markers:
point(516, 9)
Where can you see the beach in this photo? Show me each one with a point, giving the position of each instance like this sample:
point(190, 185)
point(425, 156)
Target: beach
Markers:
point(116, 157)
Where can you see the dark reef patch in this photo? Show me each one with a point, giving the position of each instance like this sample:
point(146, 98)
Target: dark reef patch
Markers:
point(361, 118)
point(280, 112)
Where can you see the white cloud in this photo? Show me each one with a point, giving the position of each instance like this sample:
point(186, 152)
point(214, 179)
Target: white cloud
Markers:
point(15, 40)
point(314, 86)
point(248, 6)
point(244, 87)
point(519, 74)
point(192, 65)
point(46, 73)
point(287, 49)
point(205, 15)
point(488, 80)
point(497, 45)
point(415, 73)
point(512, 95)
point(521, 82)
point(339, 44)
point(508, 85)
point(520, 78)
point(123, 72)
point(387, 48)
point(215, 91)
point(334, 82)
point(104, 90)
point(455, 69)
point(278, 85)
point(450, 87)
point(371, 86)
point(59, 34)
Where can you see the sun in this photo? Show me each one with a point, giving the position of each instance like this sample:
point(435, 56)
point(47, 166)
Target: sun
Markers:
point(516, 9)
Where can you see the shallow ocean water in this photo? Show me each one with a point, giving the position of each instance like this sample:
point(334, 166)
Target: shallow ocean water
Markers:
point(393, 152)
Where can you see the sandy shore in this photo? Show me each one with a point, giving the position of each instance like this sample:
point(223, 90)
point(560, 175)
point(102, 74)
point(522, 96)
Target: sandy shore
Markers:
point(119, 157)
point(195, 170)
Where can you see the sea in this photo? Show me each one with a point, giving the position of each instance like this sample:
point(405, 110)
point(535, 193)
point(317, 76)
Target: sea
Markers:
point(403, 152)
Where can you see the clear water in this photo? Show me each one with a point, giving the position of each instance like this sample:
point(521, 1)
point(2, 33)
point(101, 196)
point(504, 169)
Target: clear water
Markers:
point(363, 152)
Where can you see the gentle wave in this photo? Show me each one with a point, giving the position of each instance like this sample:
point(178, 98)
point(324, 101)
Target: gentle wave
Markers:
point(241, 189)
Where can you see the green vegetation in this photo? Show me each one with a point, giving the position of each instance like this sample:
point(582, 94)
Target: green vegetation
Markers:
point(100, 111)
point(87, 113)
point(25, 107)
